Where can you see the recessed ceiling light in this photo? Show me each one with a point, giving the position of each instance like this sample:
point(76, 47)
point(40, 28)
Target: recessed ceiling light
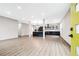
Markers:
point(43, 14)
point(32, 16)
point(23, 18)
point(19, 7)
point(8, 12)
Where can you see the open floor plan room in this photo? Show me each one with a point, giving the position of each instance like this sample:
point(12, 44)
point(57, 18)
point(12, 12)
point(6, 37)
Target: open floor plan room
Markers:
point(39, 29)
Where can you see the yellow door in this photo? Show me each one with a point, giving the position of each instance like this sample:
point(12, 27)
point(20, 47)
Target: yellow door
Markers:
point(74, 31)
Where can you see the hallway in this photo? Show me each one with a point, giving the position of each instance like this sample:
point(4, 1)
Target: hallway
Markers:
point(51, 46)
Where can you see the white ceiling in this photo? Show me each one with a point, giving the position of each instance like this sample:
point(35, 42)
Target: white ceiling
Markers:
point(35, 12)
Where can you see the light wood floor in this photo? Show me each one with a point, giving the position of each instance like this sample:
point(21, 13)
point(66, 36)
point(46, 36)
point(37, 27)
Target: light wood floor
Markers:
point(51, 46)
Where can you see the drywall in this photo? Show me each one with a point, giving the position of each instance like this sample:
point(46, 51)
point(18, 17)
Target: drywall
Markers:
point(8, 28)
point(24, 29)
point(65, 28)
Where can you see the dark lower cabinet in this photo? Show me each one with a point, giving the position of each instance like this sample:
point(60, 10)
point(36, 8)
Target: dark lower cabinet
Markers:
point(40, 34)
point(52, 33)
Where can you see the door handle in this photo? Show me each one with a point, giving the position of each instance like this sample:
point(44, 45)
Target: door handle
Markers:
point(71, 35)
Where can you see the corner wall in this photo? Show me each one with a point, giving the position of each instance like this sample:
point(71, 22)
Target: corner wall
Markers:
point(24, 29)
point(8, 28)
point(65, 28)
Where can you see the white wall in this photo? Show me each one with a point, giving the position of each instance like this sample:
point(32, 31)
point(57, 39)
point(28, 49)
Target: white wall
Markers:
point(24, 29)
point(8, 28)
point(65, 28)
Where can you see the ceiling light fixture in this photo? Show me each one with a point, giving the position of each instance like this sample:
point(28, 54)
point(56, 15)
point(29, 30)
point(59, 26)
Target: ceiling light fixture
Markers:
point(19, 7)
point(43, 15)
point(32, 17)
point(8, 12)
point(23, 18)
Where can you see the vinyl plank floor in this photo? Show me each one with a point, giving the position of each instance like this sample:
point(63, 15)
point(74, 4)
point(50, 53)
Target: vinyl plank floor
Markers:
point(36, 46)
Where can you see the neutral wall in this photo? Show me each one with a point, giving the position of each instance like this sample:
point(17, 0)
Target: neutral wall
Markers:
point(24, 29)
point(65, 28)
point(8, 28)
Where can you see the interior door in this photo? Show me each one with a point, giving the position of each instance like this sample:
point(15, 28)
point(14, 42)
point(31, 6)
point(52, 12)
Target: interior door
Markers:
point(74, 29)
